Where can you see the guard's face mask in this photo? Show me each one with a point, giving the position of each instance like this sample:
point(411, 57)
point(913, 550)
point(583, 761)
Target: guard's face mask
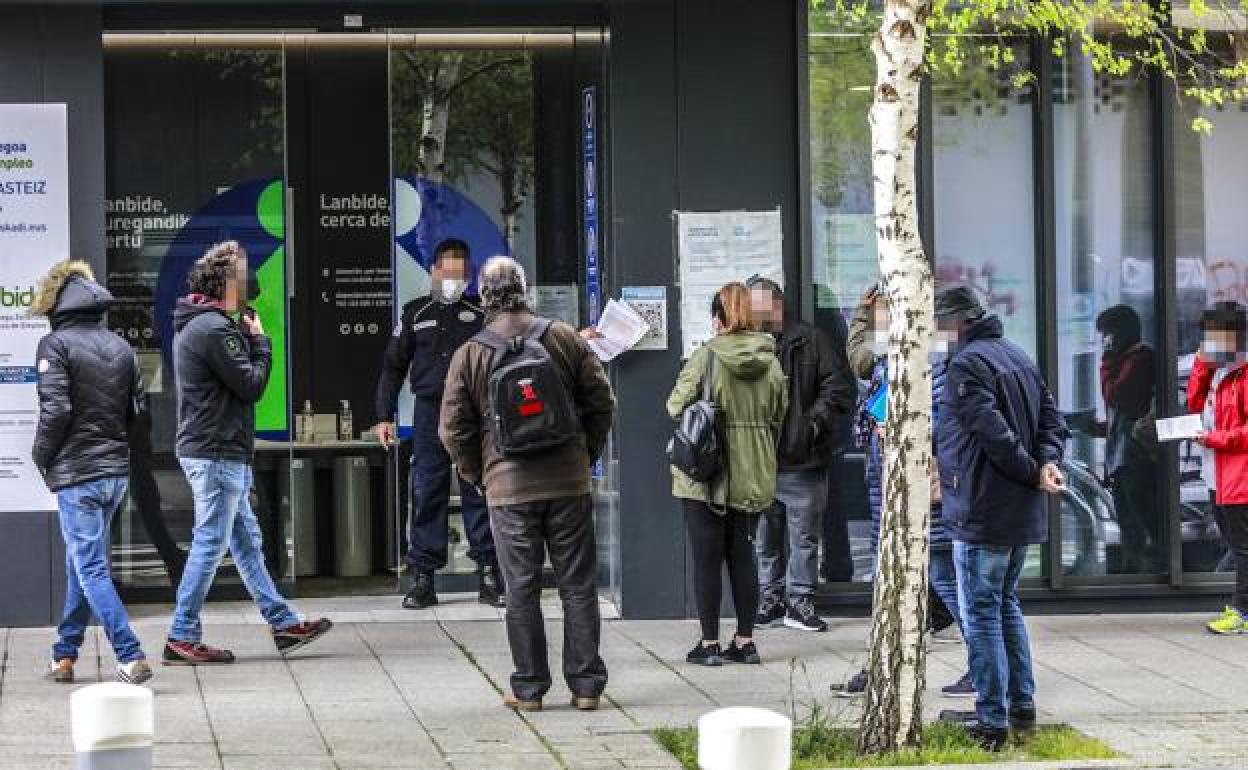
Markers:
point(452, 289)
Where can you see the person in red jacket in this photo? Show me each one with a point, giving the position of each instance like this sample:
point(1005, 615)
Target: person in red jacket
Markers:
point(1218, 390)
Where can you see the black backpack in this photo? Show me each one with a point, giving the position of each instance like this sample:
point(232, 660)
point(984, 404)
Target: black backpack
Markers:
point(697, 444)
point(530, 409)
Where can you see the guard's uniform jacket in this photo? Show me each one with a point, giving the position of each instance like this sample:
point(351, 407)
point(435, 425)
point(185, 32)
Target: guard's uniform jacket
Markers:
point(427, 335)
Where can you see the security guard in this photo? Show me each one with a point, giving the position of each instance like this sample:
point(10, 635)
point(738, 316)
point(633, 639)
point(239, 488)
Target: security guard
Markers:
point(429, 332)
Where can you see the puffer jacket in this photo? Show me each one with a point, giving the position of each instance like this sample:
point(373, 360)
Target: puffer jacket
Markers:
point(88, 383)
point(749, 386)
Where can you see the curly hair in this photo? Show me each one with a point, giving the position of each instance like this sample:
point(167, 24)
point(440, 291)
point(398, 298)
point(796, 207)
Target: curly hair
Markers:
point(213, 271)
point(503, 286)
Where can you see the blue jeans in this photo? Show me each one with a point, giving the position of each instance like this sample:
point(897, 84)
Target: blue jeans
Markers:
point(86, 511)
point(944, 579)
point(992, 622)
point(429, 487)
point(224, 519)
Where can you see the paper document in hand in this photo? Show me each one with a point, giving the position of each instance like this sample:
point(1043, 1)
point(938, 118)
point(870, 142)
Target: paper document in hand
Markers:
point(1179, 428)
point(621, 328)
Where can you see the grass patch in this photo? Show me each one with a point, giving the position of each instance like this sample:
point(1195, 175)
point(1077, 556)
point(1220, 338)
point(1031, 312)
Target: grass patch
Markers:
point(818, 746)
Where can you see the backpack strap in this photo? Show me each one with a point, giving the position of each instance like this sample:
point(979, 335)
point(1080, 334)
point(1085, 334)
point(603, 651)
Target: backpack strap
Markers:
point(495, 342)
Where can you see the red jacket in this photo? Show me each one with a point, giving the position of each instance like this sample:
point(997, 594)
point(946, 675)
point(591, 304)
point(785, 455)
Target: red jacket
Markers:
point(1229, 437)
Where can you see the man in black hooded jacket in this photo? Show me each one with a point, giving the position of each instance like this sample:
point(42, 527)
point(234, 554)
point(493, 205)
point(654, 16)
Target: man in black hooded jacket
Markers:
point(88, 384)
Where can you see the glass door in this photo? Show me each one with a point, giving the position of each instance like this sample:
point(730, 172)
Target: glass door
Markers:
point(196, 156)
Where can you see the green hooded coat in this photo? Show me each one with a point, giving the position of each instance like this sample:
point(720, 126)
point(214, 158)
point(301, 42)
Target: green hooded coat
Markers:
point(749, 387)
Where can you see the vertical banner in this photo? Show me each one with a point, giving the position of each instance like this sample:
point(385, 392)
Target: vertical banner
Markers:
point(589, 159)
point(34, 234)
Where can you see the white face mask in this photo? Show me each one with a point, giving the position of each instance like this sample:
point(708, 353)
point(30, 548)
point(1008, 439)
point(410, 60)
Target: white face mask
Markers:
point(453, 289)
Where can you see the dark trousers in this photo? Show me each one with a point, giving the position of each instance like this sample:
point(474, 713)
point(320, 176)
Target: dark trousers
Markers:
point(1233, 524)
point(429, 489)
point(1134, 488)
point(717, 540)
point(524, 533)
point(837, 564)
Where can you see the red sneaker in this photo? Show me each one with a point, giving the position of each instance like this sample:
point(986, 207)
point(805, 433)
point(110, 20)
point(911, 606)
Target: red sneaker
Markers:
point(291, 638)
point(194, 654)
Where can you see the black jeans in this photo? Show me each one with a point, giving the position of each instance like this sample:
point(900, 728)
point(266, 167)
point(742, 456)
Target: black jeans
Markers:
point(717, 540)
point(1233, 523)
point(522, 534)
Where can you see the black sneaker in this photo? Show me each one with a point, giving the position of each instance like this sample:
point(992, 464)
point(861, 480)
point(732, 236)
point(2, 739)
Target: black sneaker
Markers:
point(746, 653)
point(990, 738)
point(963, 688)
point(1023, 717)
point(705, 655)
point(291, 638)
point(770, 614)
point(802, 616)
point(856, 686)
point(490, 592)
point(421, 594)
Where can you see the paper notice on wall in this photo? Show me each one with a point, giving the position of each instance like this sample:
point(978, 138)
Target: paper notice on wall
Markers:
point(650, 302)
point(34, 234)
point(716, 247)
point(561, 301)
point(1179, 428)
point(850, 260)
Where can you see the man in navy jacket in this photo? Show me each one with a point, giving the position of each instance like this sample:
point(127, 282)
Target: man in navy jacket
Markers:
point(1000, 442)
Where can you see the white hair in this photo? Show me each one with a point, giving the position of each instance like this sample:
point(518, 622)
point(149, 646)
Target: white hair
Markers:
point(502, 284)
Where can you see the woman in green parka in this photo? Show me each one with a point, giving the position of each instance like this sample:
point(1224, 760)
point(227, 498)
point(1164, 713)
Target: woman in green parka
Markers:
point(749, 387)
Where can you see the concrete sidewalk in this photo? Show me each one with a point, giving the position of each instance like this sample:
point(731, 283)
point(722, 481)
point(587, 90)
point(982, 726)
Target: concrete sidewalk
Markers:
point(390, 688)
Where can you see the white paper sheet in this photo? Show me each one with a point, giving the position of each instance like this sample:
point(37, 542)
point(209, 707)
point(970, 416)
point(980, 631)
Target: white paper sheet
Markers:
point(1179, 428)
point(621, 328)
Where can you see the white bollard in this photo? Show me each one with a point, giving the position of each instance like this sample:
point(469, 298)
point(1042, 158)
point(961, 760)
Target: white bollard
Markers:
point(745, 739)
point(112, 725)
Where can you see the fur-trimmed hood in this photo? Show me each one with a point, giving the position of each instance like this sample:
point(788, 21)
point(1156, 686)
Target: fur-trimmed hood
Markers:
point(70, 288)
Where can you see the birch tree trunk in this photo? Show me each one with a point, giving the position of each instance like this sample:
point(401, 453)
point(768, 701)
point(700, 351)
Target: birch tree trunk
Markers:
point(435, 115)
point(893, 713)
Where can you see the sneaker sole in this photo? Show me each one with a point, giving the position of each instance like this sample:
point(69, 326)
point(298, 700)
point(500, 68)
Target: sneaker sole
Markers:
point(776, 623)
point(944, 694)
point(304, 642)
point(140, 679)
point(945, 640)
point(847, 695)
point(1234, 632)
point(752, 660)
point(800, 626)
point(708, 662)
point(197, 662)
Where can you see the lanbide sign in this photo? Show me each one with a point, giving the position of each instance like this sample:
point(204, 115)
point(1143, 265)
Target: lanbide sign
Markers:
point(34, 235)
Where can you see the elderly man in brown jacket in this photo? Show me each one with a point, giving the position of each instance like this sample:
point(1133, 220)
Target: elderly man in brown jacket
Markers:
point(537, 501)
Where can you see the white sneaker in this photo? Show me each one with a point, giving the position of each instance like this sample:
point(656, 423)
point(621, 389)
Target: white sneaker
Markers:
point(134, 672)
point(950, 634)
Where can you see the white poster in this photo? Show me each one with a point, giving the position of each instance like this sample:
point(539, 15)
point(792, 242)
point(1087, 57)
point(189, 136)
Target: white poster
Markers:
point(715, 248)
point(650, 302)
point(561, 301)
point(34, 234)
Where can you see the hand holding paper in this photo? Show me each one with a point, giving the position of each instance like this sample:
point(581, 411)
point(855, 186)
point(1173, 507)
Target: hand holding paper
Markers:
point(619, 329)
point(1188, 426)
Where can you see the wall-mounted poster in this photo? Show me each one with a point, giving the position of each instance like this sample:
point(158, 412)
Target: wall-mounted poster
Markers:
point(715, 248)
point(34, 235)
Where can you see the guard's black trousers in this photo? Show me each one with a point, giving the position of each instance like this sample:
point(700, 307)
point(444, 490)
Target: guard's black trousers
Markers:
point(522, 535)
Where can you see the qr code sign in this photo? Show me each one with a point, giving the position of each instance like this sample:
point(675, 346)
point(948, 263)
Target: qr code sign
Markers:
point(651, 304)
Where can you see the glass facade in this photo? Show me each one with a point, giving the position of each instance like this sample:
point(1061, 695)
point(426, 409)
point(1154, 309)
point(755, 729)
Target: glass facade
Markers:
point(1047, 200)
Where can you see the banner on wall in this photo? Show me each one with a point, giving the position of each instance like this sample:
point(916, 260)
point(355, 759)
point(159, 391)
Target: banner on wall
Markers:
point(34, 234)
point(715, 248)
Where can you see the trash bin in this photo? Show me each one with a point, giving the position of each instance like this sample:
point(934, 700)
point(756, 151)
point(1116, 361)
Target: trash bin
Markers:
point(353, 514)
point(298, 491)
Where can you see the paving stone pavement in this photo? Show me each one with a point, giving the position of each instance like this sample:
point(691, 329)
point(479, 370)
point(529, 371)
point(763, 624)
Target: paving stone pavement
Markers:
point(398, 689)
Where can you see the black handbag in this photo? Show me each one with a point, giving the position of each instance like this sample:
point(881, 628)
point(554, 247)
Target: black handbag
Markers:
point(697, 444)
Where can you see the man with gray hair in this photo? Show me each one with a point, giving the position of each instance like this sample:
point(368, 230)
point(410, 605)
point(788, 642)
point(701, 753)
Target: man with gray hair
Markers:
point(526, 412)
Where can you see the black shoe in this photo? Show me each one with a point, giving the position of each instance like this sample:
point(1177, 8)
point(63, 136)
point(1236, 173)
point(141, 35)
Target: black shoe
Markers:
point(422, 594)
point(990, 738)
point(1023, 717)
point(705, 655)
point(770, 614)
point(857, 685)
point(491, 591)
point(747, 653)
point(802, 616)
point(963, 688)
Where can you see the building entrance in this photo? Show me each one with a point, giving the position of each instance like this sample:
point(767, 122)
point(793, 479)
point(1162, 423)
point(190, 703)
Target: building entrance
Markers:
point(339, 162)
